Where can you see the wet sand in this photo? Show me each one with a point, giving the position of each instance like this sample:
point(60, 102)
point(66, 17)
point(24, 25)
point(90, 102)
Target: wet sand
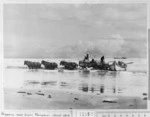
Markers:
point(24, 99)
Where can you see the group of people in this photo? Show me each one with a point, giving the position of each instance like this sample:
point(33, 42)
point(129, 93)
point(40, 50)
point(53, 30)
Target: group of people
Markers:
point(101, 65)
point(86, 59)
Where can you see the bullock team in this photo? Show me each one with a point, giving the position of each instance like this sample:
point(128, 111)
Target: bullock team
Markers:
point(83, 64)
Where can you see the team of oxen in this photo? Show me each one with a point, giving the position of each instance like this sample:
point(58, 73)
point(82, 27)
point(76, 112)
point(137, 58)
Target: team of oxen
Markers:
point(73, 65)
point(51, 65)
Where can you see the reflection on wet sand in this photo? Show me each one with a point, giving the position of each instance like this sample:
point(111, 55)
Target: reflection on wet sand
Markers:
point(98, 82)
point(84, 74)
point(102, 89)
point(84, 85)
point(52, 83)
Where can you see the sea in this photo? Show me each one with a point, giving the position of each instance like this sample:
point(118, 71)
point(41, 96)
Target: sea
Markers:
point(132, 82)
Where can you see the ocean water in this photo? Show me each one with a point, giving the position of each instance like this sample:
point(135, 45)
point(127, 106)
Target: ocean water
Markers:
point(133, 82)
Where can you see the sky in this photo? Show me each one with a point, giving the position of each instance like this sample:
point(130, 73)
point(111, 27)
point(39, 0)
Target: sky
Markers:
point(71, 30)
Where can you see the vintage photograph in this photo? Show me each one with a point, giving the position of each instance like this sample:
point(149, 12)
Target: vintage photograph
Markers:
point(75, 56)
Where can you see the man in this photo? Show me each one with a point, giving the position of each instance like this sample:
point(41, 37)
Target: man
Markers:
point(102, 62)
point(93, 60)
point(86, 57)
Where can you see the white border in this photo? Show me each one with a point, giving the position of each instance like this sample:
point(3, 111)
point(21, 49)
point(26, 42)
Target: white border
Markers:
point(1, 54)
point(64, 2)
point(75, 1)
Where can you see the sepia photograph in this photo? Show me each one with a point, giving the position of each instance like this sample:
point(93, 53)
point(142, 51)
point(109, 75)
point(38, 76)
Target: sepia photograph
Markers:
point(75, 56)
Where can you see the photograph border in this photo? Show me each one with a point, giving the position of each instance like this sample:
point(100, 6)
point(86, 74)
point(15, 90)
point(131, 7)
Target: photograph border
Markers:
point(71, 2)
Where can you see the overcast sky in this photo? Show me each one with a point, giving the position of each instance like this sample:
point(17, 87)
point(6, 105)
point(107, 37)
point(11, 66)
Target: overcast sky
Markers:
point(70, 30)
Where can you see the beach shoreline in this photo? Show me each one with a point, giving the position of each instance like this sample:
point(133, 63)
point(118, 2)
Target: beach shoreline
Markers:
point(26, 99)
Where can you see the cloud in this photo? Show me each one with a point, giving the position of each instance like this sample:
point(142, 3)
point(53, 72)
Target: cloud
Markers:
point(125, 12)
point(72, 29)
point(95, 48)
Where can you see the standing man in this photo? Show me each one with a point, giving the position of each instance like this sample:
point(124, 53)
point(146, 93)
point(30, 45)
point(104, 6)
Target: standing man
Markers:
point(86, 57)
point(102, 60)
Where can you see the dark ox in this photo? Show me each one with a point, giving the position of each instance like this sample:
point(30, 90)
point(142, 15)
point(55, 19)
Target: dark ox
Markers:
point(32, 65)
point(49, 65)
point(69, 65)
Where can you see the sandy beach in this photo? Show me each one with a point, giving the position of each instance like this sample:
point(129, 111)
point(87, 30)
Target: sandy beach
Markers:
point(24, 99)
point(26, 89)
